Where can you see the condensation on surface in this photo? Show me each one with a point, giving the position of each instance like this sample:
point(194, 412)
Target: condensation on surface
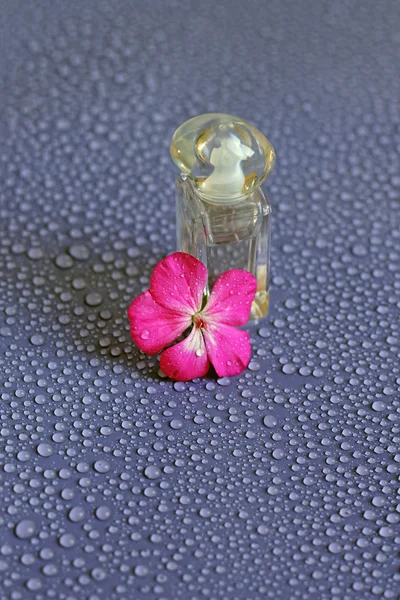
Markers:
point(281, 483)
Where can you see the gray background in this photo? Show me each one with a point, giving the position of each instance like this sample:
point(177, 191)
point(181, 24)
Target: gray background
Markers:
point(281, 483)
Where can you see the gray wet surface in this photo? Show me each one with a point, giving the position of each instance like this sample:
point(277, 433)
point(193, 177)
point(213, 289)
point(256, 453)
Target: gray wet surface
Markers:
point(281, 483)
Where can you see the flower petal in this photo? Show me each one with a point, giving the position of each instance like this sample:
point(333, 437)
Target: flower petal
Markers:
point(231, 298)
point(154, 327)
point(228, 349)
point(186, 360)
point(178, 283)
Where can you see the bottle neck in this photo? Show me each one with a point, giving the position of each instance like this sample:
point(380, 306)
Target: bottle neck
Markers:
point(216, 201)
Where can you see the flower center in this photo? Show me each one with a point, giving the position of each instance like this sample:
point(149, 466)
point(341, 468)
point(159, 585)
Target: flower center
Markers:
point(199, 322)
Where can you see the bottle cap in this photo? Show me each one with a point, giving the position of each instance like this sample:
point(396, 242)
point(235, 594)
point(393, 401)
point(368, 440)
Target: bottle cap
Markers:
point(225, 157)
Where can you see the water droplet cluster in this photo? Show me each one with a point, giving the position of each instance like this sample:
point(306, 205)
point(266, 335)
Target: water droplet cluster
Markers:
point(280, 483)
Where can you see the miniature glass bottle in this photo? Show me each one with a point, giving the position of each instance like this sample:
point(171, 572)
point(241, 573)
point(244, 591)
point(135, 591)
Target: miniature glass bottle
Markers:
point(223, 217)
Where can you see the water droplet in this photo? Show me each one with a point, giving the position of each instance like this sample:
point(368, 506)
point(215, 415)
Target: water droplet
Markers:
point(270, 421)
point(45, 450)
point(103, 513)
point(152, 472)
point(25, 529)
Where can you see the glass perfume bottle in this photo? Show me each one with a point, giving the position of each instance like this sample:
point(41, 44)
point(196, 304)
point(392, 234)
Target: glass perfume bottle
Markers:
point(222, 215)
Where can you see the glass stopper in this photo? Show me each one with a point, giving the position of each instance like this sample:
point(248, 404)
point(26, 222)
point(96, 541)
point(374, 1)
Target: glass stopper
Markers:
point(225, 157)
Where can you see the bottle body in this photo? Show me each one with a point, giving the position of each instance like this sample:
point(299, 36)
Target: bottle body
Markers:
point(228, 235)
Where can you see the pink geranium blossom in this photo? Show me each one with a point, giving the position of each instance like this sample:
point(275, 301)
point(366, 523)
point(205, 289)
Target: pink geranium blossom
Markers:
point(173, 304)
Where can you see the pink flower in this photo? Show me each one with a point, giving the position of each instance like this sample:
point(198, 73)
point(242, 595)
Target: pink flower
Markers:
point(173, 304)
